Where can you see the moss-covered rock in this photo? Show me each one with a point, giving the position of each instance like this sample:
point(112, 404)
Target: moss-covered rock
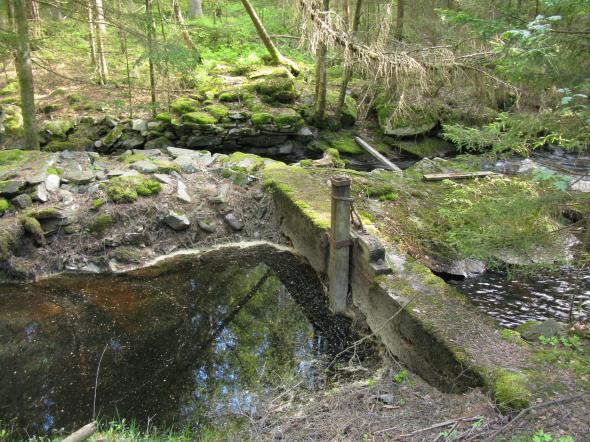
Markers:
point(165, 117)
point(271, 72)
point(3, 205)
point(58, 129)
point(281, 90)
point(33, 227)
point(101, 223)
point(259, 118)
point(234, 94)
point(73, 143)
point(511, 390)
point(199, 118)
point(219, 111)
point(167, 166)
point(114, 135)
point(185, 105)
point(343, 143)
point(288, 118)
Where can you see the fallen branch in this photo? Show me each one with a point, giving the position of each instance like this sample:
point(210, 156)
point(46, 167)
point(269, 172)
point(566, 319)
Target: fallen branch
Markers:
point(454, 422)
point(526, 411)
point(82, 434)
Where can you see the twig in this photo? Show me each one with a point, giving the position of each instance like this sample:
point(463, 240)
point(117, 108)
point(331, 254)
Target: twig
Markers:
point(524, 412)
point(96, 382)
point(435, 426)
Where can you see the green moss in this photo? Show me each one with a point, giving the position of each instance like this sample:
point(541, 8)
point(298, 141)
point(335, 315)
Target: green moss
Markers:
point(288, 118)
point(114, 134)
point(53, 171)
point(259, 118)
point(344, 143)
point(167, 166)
point(97, 203)
point(125, 189)
point(297, 185)
point(271, 72)
point(44, 213)
point(199, 118)
point(306, 163)
point(149, 187)
point(130, 158)
point(237, 159)
point(10, 156)
point(10, 88)
point(33, 227)
point(185, 105)
point(3, 205)
point(76, 98)
point(165, 117)
point(511, 390)
point(101, 224)
point(58, 128)
point(76, 144)
point(281, 90)
point(219, 111)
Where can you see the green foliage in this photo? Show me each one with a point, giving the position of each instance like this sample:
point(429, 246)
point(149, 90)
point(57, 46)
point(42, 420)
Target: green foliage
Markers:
point(97, 203)
point(511, 390)
point(10, 156)
point(493, 215)
point(148, 187)
point(400, 376)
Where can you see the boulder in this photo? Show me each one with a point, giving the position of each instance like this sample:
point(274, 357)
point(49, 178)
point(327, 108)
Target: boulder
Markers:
point(22, 201)
point(235, 224)
point(548, 329)
point(78, 176)
point(145, 166)
point(52, 182)
point(11, 188)
point(177, 221)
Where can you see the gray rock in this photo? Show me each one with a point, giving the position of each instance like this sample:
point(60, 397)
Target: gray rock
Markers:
point(40, 193)
point(78, 177)
point(286, 148)
point(204, 141)
point(144, 166)
point(66, 196)
point(22, 201)
point(182, 193)
point(164, 179)
point(233, 222)
point(155, 125)
point(139, 125)
point(148, 152)
point(36, 179)
point(548, 329)
point(12, 188)
point(186, 163)
point(179, 152)
point(115, 172)
point(101, 175)
point(157, 143)
point(207, 225)
point(177, 221)
point(109, 121)
point(131, 141)
point(305, 135)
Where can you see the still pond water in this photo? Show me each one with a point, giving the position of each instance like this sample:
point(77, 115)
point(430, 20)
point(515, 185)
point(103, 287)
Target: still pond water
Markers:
point(182, 346)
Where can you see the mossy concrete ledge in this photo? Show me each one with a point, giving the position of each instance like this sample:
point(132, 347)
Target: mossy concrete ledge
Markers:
point(420, 319)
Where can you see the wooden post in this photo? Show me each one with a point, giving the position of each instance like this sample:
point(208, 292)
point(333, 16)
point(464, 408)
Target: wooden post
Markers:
point(338, 267)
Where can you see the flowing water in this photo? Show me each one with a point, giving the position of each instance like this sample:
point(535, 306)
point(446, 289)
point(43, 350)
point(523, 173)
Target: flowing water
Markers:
point(513, 301)
point(203, 343)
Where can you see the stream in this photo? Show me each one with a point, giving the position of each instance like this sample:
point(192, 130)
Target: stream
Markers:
point(513, 301)
point(204, 343)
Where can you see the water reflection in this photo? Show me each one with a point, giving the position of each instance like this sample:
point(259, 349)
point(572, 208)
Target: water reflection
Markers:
point(204, 345)
point(513, 301)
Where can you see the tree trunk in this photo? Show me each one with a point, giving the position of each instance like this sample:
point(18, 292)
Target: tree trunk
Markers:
point(185, 35)
point(25, 76)
point(275, 55)
point(346, 13)
point(195, 8)
point(101, 28)
point(321, 76)
point(348, 69)
point(34, 18)
point(10, 15)
point(399, 24)
point(92, 36)
point(151, 31)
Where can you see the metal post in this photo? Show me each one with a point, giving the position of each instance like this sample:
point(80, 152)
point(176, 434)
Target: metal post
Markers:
point(338, 268)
